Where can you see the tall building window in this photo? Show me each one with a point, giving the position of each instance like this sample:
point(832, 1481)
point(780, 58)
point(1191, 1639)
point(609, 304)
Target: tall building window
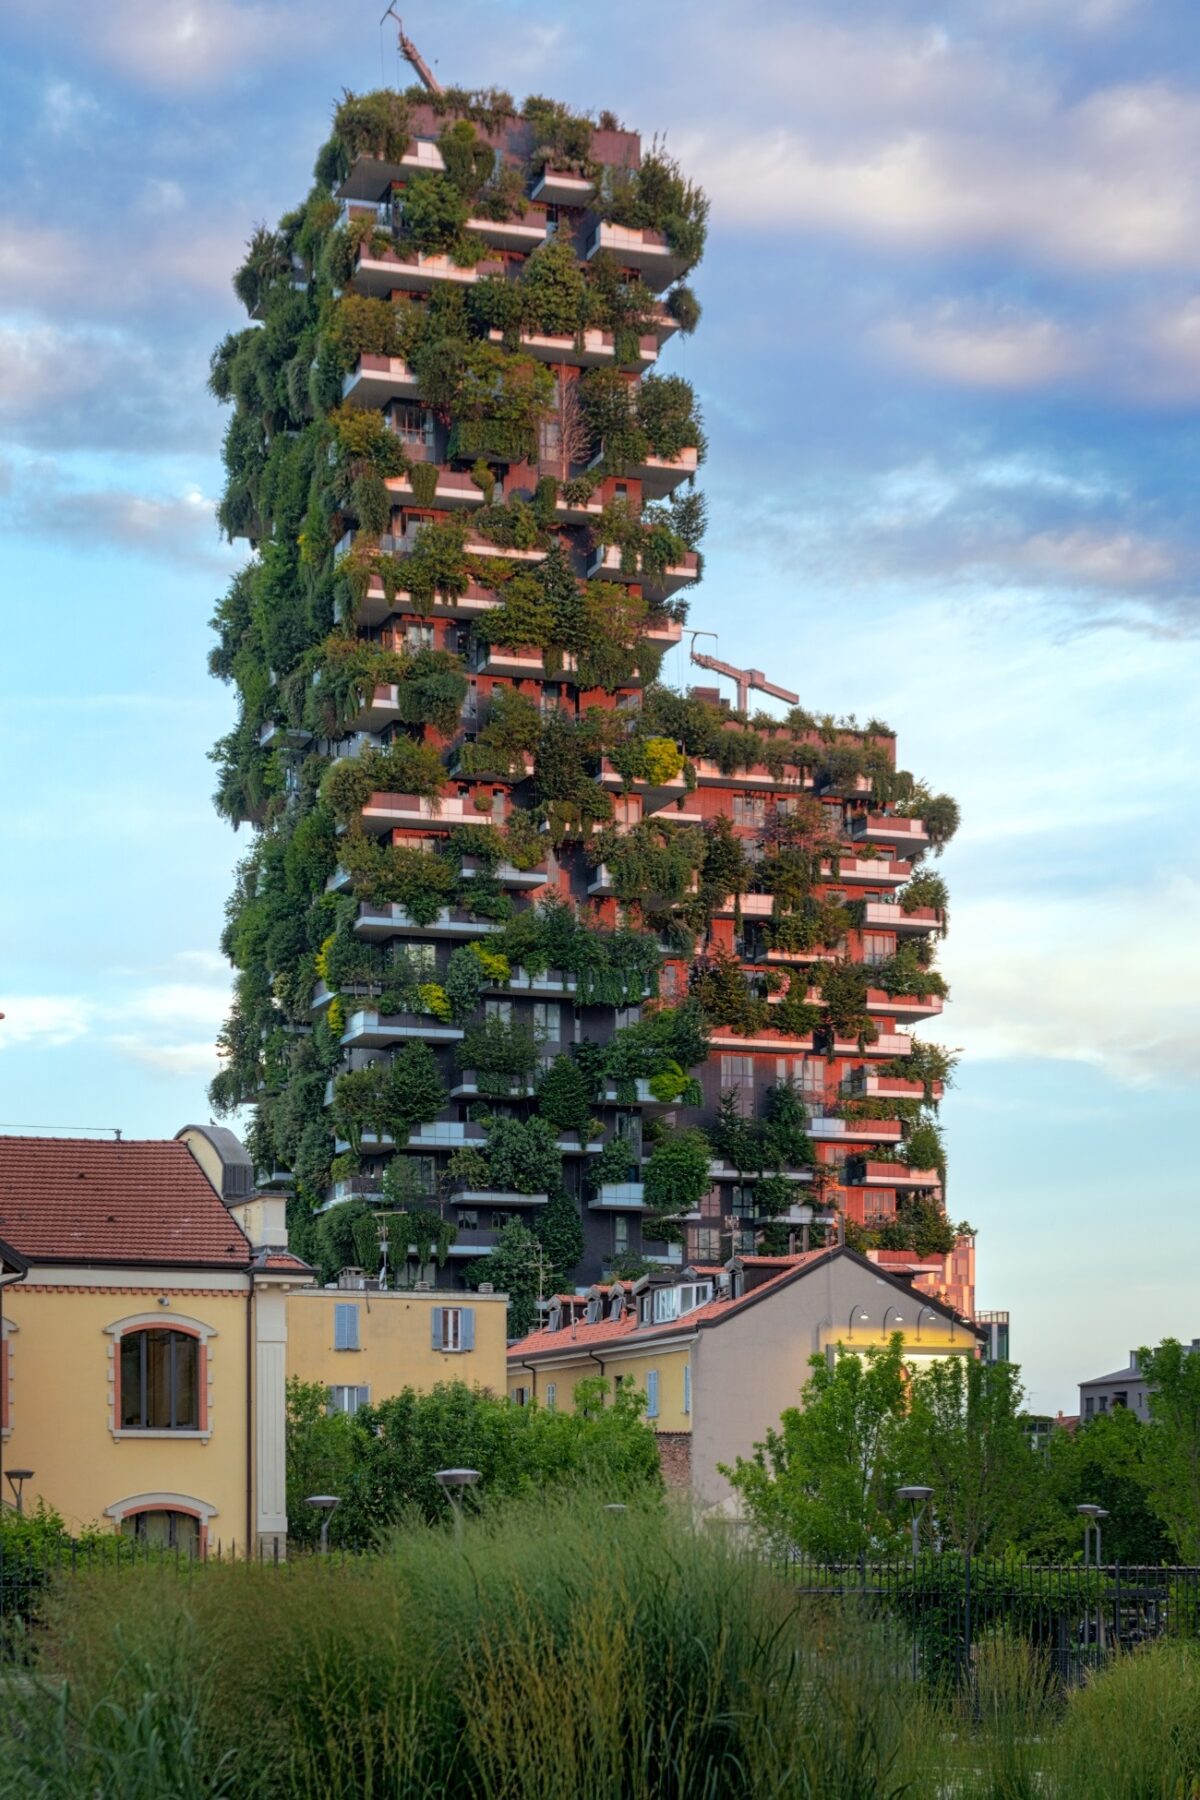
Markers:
point(737, 1077)
point(749, 809)
point(160, 1381)
point(498, 1009)
point(620, 1234)
point(547, 1018)
point(878, 947)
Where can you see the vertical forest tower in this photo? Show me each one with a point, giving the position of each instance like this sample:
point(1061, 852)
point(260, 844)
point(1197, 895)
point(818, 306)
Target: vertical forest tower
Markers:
point(544, 969)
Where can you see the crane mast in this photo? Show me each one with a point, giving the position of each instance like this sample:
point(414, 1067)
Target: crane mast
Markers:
point(411, 54)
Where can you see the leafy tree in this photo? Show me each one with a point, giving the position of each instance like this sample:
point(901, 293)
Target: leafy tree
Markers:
point(564, 1097)
point(964, 1435)
point(677, 1173)
point(825, 1480)
point(1104, 1462)
point(520, 1268)
point(1172, 1463)
point(560, 1232)
point(523, 1155)
point(381, 1462)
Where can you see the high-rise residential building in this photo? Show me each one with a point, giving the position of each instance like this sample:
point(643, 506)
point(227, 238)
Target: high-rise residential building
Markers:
point(544, 969)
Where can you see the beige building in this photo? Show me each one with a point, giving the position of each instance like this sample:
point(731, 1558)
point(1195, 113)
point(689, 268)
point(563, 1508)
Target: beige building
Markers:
point(721, 1353)
point(360, 1342)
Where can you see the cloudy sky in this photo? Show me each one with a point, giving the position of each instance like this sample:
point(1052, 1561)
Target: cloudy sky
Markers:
point(950, 363)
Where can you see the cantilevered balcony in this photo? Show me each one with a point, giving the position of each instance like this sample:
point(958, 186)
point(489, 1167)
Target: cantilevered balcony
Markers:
point(374, 380)
point(593, 348)
point(375, 607)
point(383, 708)
point(507, 874)
point(386, 811)
point(619, 1196)
point(372, 177)
point(854, 1131)
point(710, 774)
point(903, 1006)
point(878, 871)
point(889, 915)
point(638, 248)
point(518, 665)
point(467, 1088)
point(861, 1084)
point(752, 906)
point(664, 631)
point(415, 271)
point(371, 1030)
point(883, 828)
point(555, 187)
point(512, 234)
point(392, 920)
point(504, 1197)
point(454, 489)
point(661, 475)
point(656, 794)
point(283, 737)
point(473, 1240)
point(606, 564)
point(723, 1171)
point(479, 546)
point(861, 1173)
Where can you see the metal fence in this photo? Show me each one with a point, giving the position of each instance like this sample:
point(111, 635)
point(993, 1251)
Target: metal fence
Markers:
point(950, 1606)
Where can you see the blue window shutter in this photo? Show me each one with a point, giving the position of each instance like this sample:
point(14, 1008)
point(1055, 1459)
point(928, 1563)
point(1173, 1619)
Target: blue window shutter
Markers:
point(345, 1327)
point(652, 1393)
point(687, 1387)
point(364, 1396)
point(467, 1328)
point(438, 1316)
point(331, 1400)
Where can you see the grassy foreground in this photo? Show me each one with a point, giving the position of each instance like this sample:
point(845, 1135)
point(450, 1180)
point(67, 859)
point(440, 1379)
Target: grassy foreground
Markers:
point(564, 1653)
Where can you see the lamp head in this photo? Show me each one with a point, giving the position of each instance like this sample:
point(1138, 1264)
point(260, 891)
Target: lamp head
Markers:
point(326, 1502)
point(456, 1478)
point(1091, 1512)
point(914, 1493)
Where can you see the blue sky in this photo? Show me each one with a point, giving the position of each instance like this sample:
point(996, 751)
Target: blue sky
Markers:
point(950, 364)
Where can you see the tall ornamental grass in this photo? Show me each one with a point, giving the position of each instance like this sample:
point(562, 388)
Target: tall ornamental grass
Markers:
point(559, 1652)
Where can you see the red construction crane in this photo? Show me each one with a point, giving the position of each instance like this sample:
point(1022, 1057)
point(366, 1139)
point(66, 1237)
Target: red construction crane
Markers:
point(745, 678)
point(410, 53)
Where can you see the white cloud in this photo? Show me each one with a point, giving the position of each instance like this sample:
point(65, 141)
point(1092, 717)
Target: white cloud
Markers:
point(1092, 979)
point(1003, 348)
point(178, 1060)
point(45, 1020)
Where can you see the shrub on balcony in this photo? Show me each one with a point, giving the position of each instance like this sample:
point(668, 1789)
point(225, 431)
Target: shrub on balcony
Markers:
point(433, 219)
point(649, 864)
point(938, 813)
point(390, 1098)
point(523, 1155)
point(472, 968)
point(510, 732)
point(553, 290)
point(497, 404)
point(513, 525)
point(659, 197)
point(375, 124)
point(684, 308)
point(564, 1097)
point(562, 139)
point(923, 1148)
point(431, 690)
point(560, 1233)
point(609, 401)
point(613, 1165)
point(362, 435)
point(720, 987)
point(502, 1054)
point(403, 768)
point(676, 1176)
point(925, 1062)
point(666, 411)
point(437, 564)
point(349, 671)
point(362, 326)
point(925, 888)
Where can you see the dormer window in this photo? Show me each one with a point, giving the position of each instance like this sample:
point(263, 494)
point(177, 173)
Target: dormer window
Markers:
point(595, 1310)
point(670, 1303)
point(616, 1306)
point(554, 1317)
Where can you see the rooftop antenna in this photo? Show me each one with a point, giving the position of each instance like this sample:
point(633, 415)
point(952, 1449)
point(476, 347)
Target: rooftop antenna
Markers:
point(745, 678)
point(410, 53)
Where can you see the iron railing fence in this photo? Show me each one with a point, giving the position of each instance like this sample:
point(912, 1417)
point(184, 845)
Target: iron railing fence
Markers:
point(1078, 1617)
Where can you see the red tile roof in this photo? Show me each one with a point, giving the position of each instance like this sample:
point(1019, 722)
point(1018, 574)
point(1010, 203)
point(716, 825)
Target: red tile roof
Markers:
point(628, 1325)
point(139, 1201)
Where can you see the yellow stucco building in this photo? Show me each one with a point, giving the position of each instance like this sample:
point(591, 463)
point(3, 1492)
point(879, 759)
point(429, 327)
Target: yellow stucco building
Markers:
point(142, 1345)
point(721, 1353)
point(365, 1345)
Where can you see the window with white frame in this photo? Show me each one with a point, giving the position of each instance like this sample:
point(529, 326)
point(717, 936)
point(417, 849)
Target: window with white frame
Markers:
point(620, 1234)
point(345, 1326)
point(749, 809)
point(878, 947)
point(737, 1078)
point(453, 1328)
point(547, 1018)
point(669, 1303)
point(344, 1397)
point(498, 1009)
point(551, 1395)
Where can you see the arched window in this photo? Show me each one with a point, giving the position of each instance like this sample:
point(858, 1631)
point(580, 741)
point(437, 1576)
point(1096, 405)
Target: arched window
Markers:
point(159, 1381)
point(161, 1529)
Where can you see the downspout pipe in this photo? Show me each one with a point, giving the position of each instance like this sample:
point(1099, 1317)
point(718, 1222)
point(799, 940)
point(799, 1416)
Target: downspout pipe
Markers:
point(250, 1413)
point(18, 1274)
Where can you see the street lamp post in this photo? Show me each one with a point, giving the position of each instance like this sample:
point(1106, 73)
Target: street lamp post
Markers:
point(452, 1483)
point(857, 1317)
point(16, 1481)
point(327, 1505)
point(1091, 1516)
point(899, 1319)
point(920, 1498)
